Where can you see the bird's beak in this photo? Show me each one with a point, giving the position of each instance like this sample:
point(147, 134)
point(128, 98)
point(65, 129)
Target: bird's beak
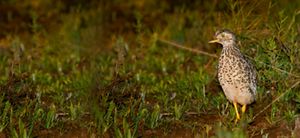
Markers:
point(214, 41)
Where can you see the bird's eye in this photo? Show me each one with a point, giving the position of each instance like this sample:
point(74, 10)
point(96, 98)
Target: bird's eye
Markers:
point(222, 35)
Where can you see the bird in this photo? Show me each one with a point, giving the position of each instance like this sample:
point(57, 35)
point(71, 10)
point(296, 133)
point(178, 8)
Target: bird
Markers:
point(236, 74)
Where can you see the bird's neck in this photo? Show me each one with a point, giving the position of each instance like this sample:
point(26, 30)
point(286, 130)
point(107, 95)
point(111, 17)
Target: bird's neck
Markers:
point(230, 48)
point(229, 44)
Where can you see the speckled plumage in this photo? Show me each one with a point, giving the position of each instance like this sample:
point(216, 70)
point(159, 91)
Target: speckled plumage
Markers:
point(236, 74)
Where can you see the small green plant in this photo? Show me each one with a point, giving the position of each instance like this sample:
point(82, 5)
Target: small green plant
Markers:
point(273, 116)
point(73, 112)
point(21, 131)
point(50, 117)
point(126, 131)
point(108, 116)
point(104, 119)
point(289, 115)
point(138, 118)
point(4, 116)
point(36, 118)
point(223, 132)
point(178, 111)
point(153, 119)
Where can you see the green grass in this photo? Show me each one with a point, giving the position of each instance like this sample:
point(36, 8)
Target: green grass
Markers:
point(101, 67)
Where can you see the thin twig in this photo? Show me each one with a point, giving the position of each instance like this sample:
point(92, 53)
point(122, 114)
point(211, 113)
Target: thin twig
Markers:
point(280, 96)
point(186, 48)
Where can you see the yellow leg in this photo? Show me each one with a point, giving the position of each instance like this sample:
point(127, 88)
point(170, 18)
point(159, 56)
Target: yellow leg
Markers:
point(244, 108)
point(236, 111)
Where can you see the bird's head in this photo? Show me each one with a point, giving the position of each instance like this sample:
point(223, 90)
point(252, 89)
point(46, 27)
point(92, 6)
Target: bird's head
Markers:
point(224, 37)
